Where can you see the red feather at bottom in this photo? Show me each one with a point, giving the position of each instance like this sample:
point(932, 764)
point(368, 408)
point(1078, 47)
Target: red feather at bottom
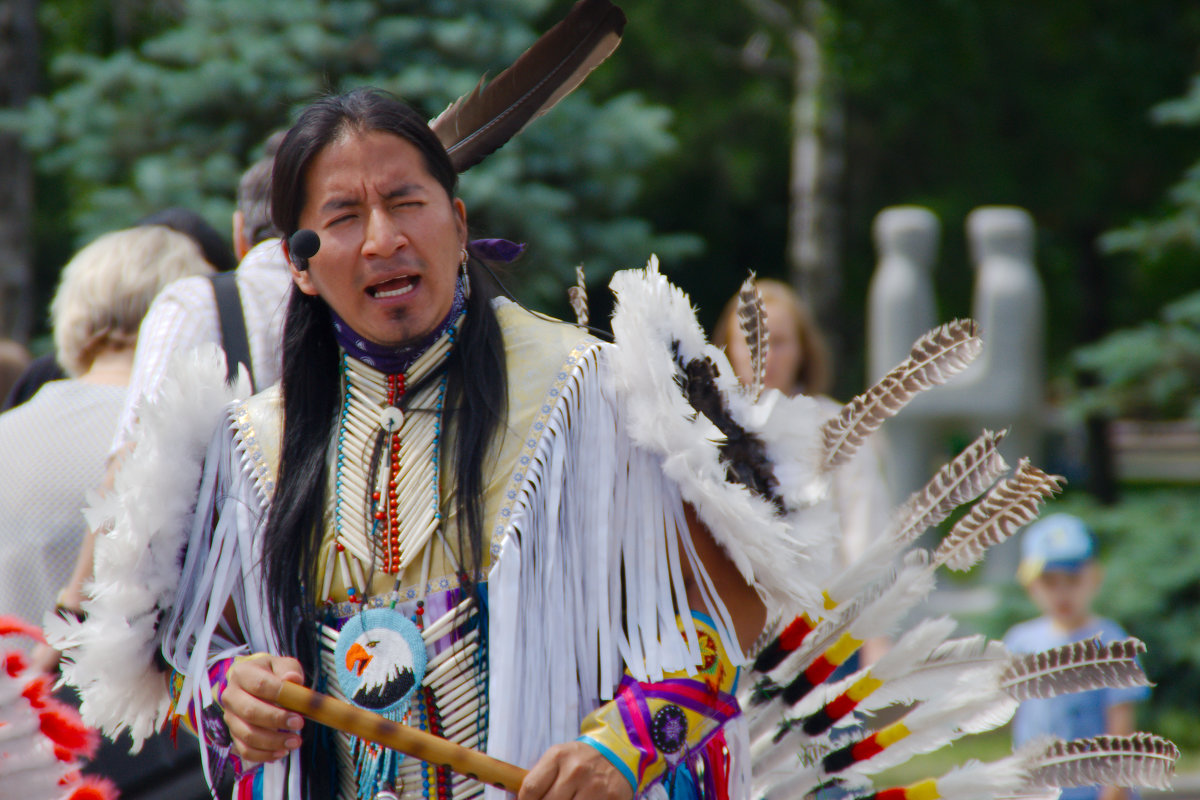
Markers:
point(94, 788)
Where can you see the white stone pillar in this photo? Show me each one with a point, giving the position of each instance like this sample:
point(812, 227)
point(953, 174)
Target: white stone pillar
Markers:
point(900, 308)
point(1004, 388)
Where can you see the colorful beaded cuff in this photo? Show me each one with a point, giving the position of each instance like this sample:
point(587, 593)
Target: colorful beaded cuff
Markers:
point(649, 729)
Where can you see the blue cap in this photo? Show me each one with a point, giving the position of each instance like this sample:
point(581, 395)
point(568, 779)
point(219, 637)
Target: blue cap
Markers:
point(1058, 542)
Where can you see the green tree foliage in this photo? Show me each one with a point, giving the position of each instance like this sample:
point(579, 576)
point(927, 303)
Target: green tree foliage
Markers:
point(173, 118)
point(1177, 231)
point(950, 104)
point(1151, 371)
point(1146, 372)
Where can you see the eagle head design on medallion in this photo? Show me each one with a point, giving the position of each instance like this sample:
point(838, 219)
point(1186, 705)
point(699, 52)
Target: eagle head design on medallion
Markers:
point(380, 660)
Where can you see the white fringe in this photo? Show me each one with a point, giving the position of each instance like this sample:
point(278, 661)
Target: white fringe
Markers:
point(597, 524)
point(786, 557)
point(224, 565)
point(110, 658)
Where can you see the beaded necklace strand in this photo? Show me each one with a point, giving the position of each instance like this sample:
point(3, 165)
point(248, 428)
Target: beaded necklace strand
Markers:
point(398, 524)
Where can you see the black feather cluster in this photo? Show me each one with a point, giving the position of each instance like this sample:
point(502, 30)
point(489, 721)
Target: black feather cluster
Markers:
point(743, 454)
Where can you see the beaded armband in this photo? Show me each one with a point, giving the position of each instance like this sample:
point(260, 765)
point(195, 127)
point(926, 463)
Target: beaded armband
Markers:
point(648, 729)
point(216, 734)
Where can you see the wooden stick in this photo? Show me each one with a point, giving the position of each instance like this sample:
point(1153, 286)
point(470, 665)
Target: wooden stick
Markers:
point(405, 739)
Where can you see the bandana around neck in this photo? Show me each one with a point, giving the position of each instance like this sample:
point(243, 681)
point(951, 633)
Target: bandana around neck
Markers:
point(394, 360)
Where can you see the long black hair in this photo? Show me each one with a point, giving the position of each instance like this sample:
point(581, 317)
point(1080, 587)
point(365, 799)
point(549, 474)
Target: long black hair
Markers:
point(476, 393)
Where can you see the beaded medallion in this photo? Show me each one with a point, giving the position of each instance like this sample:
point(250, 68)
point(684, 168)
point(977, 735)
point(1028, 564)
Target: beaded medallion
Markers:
point(380, 659)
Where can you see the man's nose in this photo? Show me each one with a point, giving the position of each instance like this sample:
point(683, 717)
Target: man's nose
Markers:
point(383, 235)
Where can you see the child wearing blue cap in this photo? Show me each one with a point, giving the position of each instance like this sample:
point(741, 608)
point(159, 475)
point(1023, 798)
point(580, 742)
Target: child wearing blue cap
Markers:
point(1059, 570)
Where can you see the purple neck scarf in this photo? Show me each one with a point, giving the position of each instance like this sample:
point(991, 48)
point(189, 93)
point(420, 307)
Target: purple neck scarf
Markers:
point(394, 360)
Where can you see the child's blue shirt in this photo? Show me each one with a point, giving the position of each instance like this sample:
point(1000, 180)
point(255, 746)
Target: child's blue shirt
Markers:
point(1070, 716)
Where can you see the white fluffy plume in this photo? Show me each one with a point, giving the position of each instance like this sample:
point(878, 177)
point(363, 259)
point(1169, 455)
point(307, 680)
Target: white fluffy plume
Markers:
point(784, 554)
point(110, 658)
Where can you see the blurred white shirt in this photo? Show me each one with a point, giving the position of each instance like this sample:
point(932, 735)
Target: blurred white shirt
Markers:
point(52, 451)
point(184, 316)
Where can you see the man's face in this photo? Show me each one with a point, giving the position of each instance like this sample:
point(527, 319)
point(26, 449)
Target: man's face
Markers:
point(1066, 597)
point(391, 238)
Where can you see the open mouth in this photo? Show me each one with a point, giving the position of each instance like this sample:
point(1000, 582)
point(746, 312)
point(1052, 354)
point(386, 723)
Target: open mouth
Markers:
point(393, 288)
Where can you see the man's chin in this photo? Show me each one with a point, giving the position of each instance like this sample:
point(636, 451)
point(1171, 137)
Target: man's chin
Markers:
point(405, 336)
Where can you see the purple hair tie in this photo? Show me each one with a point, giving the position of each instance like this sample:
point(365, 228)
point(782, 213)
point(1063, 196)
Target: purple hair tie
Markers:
point(501, 250)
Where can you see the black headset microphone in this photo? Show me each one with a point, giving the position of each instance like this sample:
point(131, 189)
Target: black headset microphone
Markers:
point(303, 245)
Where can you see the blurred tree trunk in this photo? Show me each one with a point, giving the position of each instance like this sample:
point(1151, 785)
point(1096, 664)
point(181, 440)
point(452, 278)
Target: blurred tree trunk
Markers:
point(817, 155)
point(18, 79)
point(1094, 323)
point(818, 128)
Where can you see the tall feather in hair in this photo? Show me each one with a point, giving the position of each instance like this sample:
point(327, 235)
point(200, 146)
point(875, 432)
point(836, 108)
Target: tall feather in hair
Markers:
point(935, 358)
point(479, 123)
point(752, 319)
point(577, 294)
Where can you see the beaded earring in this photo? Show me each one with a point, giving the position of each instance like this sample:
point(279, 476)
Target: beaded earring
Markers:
point(466, 279)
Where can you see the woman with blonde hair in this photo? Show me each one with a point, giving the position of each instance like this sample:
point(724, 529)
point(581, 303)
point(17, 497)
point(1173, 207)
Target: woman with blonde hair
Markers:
point(798, 359)
point(53, 448)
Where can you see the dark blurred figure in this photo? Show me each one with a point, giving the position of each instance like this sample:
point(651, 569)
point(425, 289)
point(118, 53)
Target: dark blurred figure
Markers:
point(14, 361)
point(214, 248)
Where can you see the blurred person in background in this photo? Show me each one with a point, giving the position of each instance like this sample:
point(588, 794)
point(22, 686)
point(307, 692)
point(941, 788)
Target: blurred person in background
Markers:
point(14, 360)
point(798, 362)
point(1059, 570)
point(181, 220)
point(55, 448)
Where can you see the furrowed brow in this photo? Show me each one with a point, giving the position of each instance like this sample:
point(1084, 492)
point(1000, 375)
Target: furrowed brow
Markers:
point(338, 203)
point(403, 190)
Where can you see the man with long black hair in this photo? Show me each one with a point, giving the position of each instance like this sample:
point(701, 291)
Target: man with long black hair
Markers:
point(439, 515)
point(391, 316)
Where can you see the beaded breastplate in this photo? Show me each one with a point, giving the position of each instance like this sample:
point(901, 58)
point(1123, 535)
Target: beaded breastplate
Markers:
point(390, 642)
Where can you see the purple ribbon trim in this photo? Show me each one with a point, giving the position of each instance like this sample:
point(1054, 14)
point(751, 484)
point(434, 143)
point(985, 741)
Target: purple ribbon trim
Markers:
point(695, 695)
point(688, 693)
point(501, 250)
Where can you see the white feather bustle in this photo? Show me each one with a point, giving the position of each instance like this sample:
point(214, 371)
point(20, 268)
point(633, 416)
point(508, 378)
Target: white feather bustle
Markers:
point(786, 557)
point(110, 657)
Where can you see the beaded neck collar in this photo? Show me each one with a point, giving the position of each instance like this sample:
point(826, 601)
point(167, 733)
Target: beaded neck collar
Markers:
point(394, 360)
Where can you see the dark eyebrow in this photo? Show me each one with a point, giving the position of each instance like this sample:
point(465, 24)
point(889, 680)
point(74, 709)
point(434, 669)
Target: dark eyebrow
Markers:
point(338, 203)
point(403, 190)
